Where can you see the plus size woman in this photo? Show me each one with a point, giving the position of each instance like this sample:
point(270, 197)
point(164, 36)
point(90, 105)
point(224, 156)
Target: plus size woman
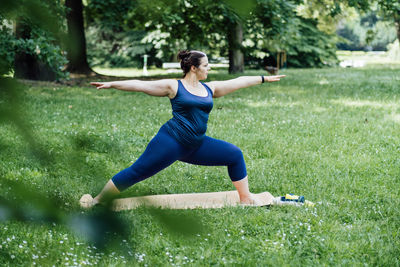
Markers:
point(184, 137)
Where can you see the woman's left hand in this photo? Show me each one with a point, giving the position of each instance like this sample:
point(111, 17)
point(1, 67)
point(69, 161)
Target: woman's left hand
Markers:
point(274, 78)
point(102, 85)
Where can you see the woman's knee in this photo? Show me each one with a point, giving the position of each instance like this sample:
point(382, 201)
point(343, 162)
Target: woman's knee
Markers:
point(237, 167)
point(236, 154)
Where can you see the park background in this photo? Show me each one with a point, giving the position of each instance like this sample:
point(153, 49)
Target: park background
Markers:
point(328, 131)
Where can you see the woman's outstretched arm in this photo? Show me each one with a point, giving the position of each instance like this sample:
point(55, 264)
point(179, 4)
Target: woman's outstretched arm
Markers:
point(222, 88)
point(166, 87)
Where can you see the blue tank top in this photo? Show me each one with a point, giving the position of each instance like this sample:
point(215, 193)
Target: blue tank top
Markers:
point(190, 115)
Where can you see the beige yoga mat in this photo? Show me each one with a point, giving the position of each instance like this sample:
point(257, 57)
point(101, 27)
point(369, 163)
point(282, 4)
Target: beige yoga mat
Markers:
point(190, 201)
point(211, 200)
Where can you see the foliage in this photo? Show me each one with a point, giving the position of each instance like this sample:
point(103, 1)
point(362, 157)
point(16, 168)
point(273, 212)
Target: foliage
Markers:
point(327, 13)
point(272, 26)
point(311, 47)
point(115, 34)
point(390, 9)
point(199, 25)
point(373, 36)
point(368, 32)
point(44, 41)
point(112, 14)
point(167, 30)
point(45, 48)
point(124, 49)
point(276, 27)
point(6, 52)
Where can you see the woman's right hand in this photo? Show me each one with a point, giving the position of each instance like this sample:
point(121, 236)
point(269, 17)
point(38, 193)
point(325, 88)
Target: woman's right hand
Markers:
point(102, 85)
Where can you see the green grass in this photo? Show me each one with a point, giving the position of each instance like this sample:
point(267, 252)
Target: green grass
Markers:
point(329, 134)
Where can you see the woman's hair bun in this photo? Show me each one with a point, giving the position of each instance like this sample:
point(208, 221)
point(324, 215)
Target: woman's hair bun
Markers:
point(189, 58)
point(183, 54)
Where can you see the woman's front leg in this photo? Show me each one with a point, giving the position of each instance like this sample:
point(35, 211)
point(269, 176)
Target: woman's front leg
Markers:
point(109, 192)
point(242, 186)
point(214, 152)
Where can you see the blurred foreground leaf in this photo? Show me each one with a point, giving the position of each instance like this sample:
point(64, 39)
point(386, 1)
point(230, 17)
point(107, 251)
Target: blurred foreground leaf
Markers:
point(23, 203)
point(35, 10)
point(11, 111)
point(101, 226)
point(178, 223)
point(240, 7)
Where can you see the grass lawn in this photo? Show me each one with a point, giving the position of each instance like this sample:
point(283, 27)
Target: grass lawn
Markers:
point(331, 135)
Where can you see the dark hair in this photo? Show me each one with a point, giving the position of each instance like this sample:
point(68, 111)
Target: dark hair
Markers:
point(189, 58)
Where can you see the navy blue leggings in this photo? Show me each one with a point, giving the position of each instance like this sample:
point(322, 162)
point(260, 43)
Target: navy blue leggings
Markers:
point(163, 150)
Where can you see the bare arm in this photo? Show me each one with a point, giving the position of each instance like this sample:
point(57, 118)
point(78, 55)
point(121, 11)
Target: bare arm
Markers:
point(222, 88)
point(166, 87)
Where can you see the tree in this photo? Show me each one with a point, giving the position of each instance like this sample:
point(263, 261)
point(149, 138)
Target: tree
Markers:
point(76, 44)
point(114, 34)
point(390, 9)
point(235, 15)
point(222, 28)
point(366, 32)
point(204, 24)
point(235, 40)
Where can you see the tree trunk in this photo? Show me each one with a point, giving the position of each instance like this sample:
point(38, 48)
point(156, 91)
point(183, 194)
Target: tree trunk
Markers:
point(235, 39)
point(76, 44)
point(26, 65)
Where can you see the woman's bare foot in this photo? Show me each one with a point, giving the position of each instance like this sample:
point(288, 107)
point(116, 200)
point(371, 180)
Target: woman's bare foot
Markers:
point(250, 200)
point(87, 201)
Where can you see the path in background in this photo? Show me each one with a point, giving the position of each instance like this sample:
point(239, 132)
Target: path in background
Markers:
point(366, 59)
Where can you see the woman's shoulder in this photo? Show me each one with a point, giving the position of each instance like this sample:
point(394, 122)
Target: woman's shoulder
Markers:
point(173, 84)
point(211, 86)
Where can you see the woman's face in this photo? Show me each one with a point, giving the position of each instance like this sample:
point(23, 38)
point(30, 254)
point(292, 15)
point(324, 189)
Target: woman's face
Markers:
point(202, 70)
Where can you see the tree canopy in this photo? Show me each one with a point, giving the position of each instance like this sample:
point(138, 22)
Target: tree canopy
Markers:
point(120, 32)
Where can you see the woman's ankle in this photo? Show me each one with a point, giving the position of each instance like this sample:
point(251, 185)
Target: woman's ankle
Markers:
point(95, 201)
point(246, 199)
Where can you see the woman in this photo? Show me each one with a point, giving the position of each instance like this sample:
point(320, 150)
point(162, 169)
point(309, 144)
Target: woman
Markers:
point(183, 137)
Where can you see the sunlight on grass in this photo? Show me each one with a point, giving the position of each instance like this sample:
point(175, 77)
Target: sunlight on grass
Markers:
point(365, 103)
point(323, 81)
point(320, 109)
point(267, 103)
point(393, 117)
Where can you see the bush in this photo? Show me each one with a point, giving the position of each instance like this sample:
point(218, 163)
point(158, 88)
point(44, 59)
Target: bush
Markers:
point(368, 32)
point(6, 52)
point(117, 49)
point(311, 47)
point(305, 45)
point(40, 44)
